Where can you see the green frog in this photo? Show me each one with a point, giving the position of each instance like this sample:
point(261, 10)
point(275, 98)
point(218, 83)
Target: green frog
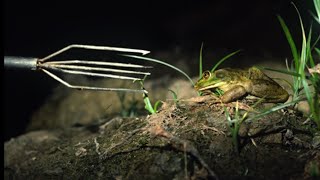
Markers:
point(236, 83)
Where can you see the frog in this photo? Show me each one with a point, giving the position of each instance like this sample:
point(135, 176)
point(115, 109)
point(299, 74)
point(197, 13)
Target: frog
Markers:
point(237, 83)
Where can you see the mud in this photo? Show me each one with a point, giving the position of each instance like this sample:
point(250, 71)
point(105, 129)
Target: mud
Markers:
point(189, 139)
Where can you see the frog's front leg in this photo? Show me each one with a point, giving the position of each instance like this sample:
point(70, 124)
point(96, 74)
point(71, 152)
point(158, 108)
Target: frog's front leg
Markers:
point(233, 94)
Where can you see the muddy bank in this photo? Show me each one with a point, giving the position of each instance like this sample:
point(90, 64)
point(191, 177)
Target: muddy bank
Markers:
point(190, 139)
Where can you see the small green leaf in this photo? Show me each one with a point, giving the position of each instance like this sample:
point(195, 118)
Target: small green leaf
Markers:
point(155, 108)
point(174, 94)
point(148, 105)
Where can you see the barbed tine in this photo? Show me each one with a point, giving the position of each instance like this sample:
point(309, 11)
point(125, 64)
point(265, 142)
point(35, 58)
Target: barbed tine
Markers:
point(90, 87)
point(104, 48)
point(102, 63)
point(88, 68)
point(96, 74)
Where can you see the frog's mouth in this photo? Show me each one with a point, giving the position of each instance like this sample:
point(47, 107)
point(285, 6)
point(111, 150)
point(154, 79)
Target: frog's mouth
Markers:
point(215, 85)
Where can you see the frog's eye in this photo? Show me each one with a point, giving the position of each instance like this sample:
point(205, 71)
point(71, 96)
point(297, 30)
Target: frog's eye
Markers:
point(220, 75)
point(206, 74)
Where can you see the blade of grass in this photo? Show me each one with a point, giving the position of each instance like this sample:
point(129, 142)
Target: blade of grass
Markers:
point(174, 94)
point(315, 42)
point(305, 50)
point(317, 7)
point(290, 41)
point(307, 92)
point(160, 62)
point(296, 59)
point(292, 73)
point(148, 105)
point(317, 50)
point(276, 108)
point(225, 58)
point(156, 105)
point(303, 55)
point(200, 61)
point(309, 48)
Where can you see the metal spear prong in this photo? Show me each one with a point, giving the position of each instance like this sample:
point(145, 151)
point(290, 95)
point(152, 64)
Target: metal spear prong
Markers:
point(90, 87)
point(93, 68)
point(93, 47)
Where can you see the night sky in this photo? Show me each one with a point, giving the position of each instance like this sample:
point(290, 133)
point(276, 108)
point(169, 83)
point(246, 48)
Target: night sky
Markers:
point(39, 28)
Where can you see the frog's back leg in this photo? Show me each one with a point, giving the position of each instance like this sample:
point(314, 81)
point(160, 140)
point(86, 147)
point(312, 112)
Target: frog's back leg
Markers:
point(233, 94)
point(269, 90)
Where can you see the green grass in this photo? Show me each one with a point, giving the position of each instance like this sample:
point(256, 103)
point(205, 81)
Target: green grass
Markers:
point(153, 109)
point(237, 120)
point(303, 59)
point(234, 124)
point(317, 9)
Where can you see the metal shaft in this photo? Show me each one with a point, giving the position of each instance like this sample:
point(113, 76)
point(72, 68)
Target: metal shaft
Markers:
point(20, 62)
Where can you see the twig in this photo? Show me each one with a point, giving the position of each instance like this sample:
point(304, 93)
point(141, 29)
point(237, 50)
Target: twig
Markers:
point(97, 146)
point(182, 145)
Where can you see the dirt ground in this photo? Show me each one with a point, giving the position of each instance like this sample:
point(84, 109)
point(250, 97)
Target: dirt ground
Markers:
point(187, 139)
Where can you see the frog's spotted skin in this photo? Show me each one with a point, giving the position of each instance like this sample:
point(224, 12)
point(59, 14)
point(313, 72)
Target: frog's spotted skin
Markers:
point(236, 83)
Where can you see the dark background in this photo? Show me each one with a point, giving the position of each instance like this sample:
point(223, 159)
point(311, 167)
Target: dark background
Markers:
point(37, 28)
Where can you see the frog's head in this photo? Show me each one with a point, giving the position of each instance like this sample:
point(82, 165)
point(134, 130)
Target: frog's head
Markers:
point(221, 78)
